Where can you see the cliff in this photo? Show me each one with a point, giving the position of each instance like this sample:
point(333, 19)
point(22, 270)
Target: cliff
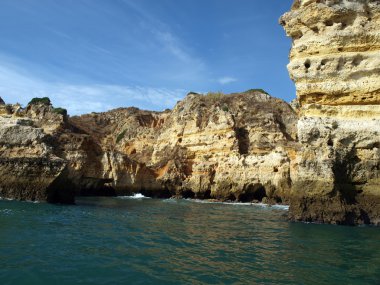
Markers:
point(322, 157)
point(29, 168)
point(334, 62)
point(229, 147)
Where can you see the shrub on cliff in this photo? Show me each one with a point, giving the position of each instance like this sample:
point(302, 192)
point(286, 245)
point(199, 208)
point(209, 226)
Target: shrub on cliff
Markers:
point(120, 136)
point(60, 111)
point(193, 93)
point(43, 100)
point(225, 108)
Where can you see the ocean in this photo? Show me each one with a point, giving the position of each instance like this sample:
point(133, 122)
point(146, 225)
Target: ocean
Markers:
point(136, 240)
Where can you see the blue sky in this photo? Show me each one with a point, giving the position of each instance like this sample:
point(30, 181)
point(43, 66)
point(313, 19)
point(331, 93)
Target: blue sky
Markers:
point(94, 55)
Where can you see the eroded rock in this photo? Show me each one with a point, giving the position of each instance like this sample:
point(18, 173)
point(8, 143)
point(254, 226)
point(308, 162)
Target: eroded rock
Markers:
point(334, 63)
point(208, 146)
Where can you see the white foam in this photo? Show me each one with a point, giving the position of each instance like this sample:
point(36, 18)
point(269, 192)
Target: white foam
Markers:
point(280, 207)
point(34, 202)
point(135, 196)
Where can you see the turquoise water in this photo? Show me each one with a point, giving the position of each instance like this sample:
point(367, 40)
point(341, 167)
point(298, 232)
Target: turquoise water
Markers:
point(147, 241)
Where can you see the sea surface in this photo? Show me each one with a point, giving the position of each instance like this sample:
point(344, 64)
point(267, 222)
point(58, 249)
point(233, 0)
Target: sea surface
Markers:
point(146, 241)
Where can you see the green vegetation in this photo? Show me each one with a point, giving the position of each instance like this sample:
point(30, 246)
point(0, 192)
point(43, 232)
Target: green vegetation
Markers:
point(257, 90)
point(225, 108)
point(192, 93)
point(43, 100)
point(60, 111)
point(46, 101)
point(120, 136)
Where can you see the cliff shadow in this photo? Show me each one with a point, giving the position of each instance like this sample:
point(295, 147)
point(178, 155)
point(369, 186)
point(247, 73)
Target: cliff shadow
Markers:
point(242, 136)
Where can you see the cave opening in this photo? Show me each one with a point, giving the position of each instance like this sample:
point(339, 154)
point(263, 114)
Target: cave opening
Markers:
point(188, 194)
point(254, 192)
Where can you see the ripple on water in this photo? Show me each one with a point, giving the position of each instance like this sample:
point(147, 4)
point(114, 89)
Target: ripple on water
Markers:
point(6, 211)
point(149, 241)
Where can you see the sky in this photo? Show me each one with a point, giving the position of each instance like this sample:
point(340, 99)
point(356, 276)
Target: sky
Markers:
point(95, 55)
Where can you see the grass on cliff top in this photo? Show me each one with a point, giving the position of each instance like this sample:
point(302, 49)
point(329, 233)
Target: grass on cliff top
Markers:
point(257, 90)
point(214, 96)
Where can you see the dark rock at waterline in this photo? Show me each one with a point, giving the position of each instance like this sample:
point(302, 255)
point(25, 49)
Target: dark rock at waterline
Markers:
point(35, 179)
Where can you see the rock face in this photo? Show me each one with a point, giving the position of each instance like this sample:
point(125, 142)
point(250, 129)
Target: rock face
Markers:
point(29, 168)
point(335, 64)
point(322, 155)
point(228, 147)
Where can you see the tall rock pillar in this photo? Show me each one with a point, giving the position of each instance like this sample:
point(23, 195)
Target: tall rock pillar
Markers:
point(335, 64)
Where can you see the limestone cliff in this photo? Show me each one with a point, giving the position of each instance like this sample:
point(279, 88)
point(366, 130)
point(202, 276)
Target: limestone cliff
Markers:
point(334, 62)
point(29, 168)
point(322, 155)
point(229, 147)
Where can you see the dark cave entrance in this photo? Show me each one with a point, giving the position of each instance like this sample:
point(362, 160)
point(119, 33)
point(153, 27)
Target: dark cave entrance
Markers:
point(253, 192)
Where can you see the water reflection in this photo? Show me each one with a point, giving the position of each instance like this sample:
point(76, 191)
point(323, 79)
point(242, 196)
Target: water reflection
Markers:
point(109, 240)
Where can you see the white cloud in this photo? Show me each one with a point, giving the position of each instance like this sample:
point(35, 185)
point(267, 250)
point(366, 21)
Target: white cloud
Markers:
point(226, 80)
point(165, 37)
point(18, 86)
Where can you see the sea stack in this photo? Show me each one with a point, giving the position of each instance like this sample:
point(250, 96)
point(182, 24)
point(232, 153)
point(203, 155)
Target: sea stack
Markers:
point(335, 64)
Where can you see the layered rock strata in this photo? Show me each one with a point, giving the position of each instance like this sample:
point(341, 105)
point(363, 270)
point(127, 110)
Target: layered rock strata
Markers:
point(323, 156)
point(29, 168)
point(229, 147)
point(335, 64)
